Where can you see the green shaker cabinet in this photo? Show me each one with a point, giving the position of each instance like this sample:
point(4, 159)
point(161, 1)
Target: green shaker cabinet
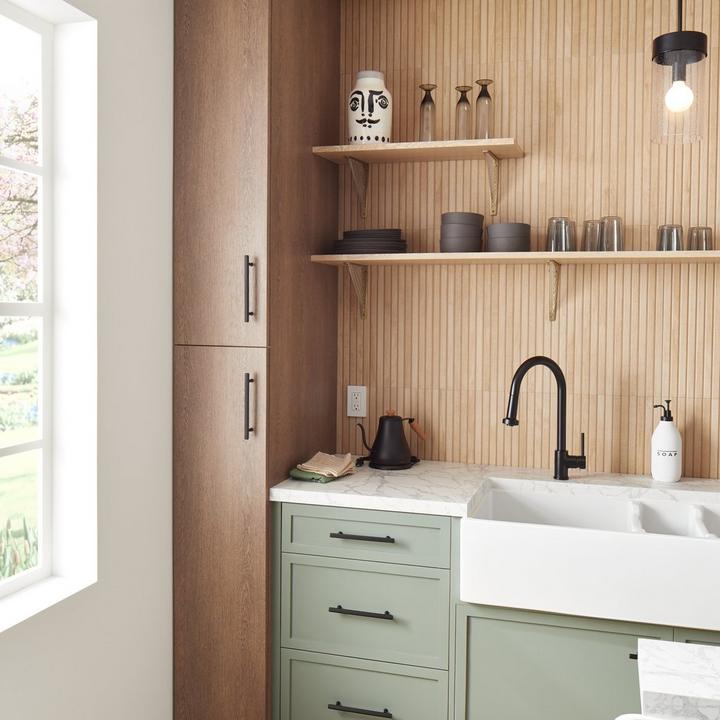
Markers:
point(364, 614)
point(532, 665)
point(368, 624)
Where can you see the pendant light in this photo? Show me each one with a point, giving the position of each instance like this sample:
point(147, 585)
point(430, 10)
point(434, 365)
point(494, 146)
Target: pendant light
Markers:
point(678, 84)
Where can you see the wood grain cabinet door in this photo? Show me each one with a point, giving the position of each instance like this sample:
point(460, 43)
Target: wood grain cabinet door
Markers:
point(220, 535)
point(221, 171)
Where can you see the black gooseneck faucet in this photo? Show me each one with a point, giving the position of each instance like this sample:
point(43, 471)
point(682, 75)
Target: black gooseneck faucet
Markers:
point(563, 461)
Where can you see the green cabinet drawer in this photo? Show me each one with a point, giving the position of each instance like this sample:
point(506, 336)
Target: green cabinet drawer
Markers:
point(324, 602)
point(366, 535)
point(699, 637)
point(312, 681)
point(546, 667)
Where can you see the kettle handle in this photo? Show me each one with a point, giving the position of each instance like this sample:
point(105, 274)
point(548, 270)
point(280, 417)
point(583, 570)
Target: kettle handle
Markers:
point(416, 428)
point(364, 439)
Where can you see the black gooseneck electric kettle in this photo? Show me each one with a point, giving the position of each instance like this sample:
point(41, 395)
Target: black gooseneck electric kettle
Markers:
point(390, 450)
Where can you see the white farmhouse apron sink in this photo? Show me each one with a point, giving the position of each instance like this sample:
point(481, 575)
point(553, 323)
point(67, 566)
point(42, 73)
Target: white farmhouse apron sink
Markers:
point(598, 554)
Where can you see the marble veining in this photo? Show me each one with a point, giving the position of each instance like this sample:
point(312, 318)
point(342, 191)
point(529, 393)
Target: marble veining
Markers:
point(434, 488)
point(457, 490)
point(679, 681)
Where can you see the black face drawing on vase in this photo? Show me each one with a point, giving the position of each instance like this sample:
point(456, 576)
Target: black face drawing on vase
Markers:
point(372, 106)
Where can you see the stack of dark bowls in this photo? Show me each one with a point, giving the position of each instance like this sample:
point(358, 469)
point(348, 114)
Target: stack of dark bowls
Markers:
point(508, 237)
point(362, 242)
point(461, 232)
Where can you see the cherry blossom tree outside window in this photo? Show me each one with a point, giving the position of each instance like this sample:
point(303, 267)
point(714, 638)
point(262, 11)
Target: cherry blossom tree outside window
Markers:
point(23, 305)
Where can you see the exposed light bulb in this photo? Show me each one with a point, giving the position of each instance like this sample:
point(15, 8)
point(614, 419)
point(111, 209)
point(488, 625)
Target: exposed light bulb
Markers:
point(679, 97)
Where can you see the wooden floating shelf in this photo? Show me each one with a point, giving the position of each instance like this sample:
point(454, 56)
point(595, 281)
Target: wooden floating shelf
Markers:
point(523, 258)
point(437, 150)
point(359, 157)
point(357, 265)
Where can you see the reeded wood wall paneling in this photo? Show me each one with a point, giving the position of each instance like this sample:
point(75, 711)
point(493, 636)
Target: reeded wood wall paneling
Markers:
point(572, 85)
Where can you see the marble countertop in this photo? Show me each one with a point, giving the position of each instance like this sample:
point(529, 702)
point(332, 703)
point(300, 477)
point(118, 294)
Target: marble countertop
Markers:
point(456, 490)
point(679, 680)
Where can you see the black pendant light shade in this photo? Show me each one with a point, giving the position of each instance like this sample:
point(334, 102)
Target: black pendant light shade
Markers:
point(680, 49)
point(679, 84)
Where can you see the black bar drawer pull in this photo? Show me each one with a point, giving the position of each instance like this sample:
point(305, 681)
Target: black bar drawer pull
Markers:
point(359, 711)
point(246, 426)
point(248, 265)
point(340, 610)
point(633, 656)
point(367, 538)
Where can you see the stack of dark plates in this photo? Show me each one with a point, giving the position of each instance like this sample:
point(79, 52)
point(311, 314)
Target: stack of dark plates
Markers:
point(354, 242)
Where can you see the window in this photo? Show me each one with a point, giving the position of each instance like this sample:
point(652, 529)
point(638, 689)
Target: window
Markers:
point(48, 305)
point(25, 298)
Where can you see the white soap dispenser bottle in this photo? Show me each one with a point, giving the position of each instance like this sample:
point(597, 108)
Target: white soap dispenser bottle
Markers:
point(666, 460)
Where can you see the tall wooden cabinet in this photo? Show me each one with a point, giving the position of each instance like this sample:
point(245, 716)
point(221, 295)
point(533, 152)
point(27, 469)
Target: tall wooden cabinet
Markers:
point(255, 322)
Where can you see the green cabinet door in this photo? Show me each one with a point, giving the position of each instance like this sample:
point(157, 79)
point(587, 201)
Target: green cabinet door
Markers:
point(514, 665)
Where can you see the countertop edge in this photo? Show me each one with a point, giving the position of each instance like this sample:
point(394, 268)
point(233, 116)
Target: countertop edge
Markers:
point(362, 502)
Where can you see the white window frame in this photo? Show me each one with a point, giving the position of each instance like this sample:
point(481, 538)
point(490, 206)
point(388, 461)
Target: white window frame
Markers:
point(68, 240)
point(43, 308)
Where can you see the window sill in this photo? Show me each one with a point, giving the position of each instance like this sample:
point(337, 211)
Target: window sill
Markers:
point(39, 596)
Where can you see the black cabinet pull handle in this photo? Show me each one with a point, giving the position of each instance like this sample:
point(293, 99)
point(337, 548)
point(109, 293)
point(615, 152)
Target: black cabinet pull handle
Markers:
point(367, 538)
point(248, 265)
point(340, 610)
point(633, 656)
point(246, 426)
point(359, 711)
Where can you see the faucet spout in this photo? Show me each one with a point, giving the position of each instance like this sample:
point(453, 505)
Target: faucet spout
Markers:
point(563, 461)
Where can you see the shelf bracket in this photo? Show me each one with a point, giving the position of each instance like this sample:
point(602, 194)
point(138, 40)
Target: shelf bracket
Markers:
point(360, 172)
point(359, 278)
point(493, 177)
point(553, 288)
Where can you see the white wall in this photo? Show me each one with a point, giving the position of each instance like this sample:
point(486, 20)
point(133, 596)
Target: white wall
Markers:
point(106, 653)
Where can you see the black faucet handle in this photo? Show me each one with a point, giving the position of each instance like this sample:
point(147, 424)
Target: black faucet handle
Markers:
point(580, 461)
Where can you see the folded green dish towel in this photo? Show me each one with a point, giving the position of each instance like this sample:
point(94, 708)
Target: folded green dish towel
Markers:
point(310, 476)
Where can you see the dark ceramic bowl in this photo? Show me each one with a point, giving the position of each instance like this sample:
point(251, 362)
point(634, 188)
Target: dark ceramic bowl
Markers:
point(468, 244)
point(461, 231)
point(462, 218)
point(507, 244)
point(498, 230)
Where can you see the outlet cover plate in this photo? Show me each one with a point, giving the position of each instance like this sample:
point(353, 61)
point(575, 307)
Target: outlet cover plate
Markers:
point(356, 401)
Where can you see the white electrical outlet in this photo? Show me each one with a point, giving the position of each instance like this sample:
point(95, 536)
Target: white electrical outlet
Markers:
point(356, 401)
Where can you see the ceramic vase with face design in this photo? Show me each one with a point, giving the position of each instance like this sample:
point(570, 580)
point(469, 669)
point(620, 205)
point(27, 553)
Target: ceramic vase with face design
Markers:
point(369, 109)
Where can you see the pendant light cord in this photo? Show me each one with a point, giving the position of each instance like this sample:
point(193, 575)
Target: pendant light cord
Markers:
point(680, 15)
